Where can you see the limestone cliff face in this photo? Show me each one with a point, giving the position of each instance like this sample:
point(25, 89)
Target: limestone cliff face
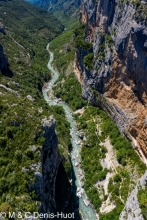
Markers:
point(51, 160)
point(118, 80)
point(132, 210)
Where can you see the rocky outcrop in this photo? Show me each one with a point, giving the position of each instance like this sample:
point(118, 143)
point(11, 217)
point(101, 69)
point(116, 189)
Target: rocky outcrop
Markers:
point(117, 82)
point(132, 210)
point(51, 160)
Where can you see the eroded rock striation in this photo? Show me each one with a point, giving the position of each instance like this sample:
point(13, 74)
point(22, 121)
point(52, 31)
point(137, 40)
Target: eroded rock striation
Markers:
point(117, 80)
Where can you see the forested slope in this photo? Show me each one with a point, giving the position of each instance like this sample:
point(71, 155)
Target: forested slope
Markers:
point(66, 11)
point(25, 31)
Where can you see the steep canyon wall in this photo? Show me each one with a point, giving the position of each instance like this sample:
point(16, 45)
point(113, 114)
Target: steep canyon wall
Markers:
point(51, 160)
point(117, 81)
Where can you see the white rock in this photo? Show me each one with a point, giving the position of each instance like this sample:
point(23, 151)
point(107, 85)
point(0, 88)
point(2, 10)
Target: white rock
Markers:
point(86, 202)
point(76, 164)
point(78, 189)
point(30, 98)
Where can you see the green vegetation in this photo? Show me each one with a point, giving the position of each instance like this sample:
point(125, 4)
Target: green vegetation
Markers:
point(66, 11)
point(28, 30)
point(28, 34)
point(101, 52)
point(65, 17)
point(114, 214)
point(80, 43)
point(125, 152)
point(83, 45)
point(141, 12)
point(64, 52)
point(94, 150)
point(64, 49)
point(69, 90)
point(100, 97)
point(91, 154)
point(20, 131)
point(137, 3)
point(109, 41)
point(140, 9)
point(142, 197)
point(88, 60)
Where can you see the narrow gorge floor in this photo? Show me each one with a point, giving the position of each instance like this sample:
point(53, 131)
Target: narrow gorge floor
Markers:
point(84, 206)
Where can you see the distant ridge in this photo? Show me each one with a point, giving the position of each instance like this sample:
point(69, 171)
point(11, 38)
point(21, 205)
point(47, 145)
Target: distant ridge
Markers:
point(67, 11)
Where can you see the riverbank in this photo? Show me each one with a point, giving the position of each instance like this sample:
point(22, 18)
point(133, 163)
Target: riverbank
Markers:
point(84, 204)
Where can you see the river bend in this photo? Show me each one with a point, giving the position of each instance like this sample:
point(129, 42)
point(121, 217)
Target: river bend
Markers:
point(86, 209)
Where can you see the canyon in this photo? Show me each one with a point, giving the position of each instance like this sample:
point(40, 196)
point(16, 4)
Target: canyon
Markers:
point(111, 66)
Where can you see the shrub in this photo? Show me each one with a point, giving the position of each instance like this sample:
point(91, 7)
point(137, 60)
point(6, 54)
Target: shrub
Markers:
point(102, 175)
point(121, 156)
point(79, 39)
point(142, 197)
point(117, 178)
point(88, 60)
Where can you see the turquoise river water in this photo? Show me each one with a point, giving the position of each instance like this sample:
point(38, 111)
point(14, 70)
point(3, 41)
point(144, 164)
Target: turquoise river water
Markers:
point(85, 208)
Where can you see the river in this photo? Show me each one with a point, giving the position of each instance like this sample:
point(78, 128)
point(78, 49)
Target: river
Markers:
point(85, 208)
